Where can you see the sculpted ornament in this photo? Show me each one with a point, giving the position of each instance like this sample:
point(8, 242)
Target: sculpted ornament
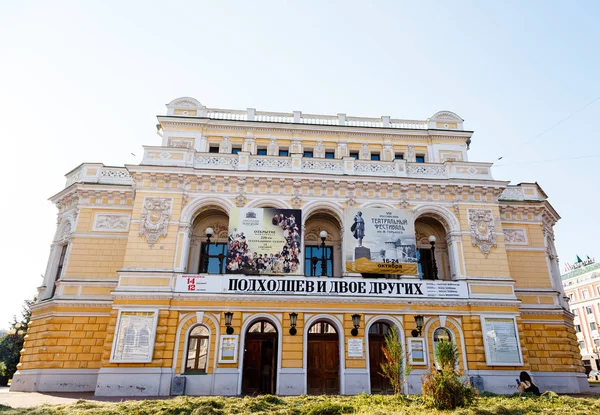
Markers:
point(156, 213)
point(483, 230)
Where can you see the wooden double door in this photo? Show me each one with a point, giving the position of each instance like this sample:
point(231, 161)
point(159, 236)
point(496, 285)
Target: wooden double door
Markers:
point(260, 364)
point(323, 359)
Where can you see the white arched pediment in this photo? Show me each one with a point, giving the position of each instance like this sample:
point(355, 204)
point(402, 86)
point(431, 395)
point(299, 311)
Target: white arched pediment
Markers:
point(195, 207)
point(185, 102)
point(262, 203)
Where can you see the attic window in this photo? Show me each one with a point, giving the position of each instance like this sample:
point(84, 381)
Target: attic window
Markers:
point(213, 149)
point(420, 158)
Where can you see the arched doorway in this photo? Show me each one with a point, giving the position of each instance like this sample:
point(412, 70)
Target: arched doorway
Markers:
point(323, 360)
point(377, 333)
point(260, 359)
point(425, 227)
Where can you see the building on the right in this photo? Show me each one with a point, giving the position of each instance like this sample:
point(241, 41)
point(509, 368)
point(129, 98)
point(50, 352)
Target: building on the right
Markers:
point(581, 282)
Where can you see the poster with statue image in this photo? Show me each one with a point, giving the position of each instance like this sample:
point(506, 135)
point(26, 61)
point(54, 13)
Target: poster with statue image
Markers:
point(380, 241)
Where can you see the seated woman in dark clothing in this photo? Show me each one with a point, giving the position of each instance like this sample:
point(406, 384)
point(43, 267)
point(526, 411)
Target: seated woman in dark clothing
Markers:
point(526, 384)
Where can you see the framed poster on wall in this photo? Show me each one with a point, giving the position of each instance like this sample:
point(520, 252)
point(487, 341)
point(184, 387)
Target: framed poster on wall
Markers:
point(501, 340)
point(416, 351)
point(228, 349)
point(134, 336)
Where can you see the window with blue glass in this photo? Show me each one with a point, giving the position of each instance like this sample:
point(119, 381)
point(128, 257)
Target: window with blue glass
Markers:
point(284, 152)
point(313, 260)
point(330, 154)
point(399, 156)
point(261, 151)
point(308, 153)
point(217, 254)
point(236, 150)
point(354, 154)
point(375, 156)
point(420, 158)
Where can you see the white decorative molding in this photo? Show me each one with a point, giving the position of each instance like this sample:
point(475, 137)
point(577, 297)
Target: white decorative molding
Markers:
point(423, 169)
point(111, 222)
point(483, 230)
point(187, 143)
point(156, 212)
point(515, 236)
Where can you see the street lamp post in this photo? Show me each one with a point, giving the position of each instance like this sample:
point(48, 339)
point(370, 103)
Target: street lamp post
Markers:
point(434, 268)
point(209, 232)
point(323, 236)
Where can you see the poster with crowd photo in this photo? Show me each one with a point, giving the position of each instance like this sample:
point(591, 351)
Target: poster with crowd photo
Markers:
point(265, 241)
point(380, 241)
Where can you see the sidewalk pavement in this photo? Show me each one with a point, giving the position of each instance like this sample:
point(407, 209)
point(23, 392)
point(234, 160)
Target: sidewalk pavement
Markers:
point(32, 399)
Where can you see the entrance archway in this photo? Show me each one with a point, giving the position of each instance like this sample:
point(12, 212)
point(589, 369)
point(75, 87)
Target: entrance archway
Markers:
point(377, 333)
point(260, 359)
point(323, 359)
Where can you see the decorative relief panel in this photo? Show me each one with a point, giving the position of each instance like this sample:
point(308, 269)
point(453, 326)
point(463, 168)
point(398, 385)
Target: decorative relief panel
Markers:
point(111, 222)
point(512, 194)
point(187, 143)
point(483, 230)
point(449, 155)
point(156, 213)
point(515, 236)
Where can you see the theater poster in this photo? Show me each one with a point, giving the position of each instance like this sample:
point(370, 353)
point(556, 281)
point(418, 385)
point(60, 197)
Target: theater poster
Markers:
point(380, 241)
point(265, 241)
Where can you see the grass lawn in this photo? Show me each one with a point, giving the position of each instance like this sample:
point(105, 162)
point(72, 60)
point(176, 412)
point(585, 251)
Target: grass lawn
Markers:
point(319, 405)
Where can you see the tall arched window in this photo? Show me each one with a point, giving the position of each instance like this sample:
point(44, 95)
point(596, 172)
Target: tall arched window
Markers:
point(441, 333)
point(197, 353)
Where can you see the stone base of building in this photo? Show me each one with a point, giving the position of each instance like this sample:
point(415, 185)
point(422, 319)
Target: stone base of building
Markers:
point(505, 381)
point(134, 382)
point(226, 382)
point(55, 380)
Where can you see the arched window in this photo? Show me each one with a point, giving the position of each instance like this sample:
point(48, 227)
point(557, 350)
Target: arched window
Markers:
point(144, 338)
point(322, 327)
point(197, 353)
point(262, 327)
point(440, 334)
point(380, 328)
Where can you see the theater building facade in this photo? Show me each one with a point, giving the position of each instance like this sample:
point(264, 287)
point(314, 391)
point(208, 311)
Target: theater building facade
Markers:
point(260, 252)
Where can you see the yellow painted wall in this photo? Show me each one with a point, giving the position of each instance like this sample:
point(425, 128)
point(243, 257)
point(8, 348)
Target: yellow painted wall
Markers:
point(95, 258)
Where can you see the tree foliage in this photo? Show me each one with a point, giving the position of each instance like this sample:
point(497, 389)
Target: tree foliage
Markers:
point(12, 342)
point(444, 388)
point(393, 368)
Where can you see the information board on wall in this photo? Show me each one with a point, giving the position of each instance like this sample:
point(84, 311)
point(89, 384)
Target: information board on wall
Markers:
point(265, 241)
point(380, 241)
point(230, 284)
point(501, 342)
point(134, 337)
point(355, 347)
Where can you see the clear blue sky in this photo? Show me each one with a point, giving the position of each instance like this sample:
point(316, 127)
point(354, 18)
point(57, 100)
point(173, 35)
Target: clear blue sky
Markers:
point(83, 81)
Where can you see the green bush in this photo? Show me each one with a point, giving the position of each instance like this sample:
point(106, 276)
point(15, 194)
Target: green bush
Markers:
point(443, 388)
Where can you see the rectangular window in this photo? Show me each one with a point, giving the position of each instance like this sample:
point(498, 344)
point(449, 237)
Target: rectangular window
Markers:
point(59, 268)
point(593, 326)
point(284, 152)
point(354, 154)
point(589, 310)
point(213, 149)
point(235, 150)
point(134, 336)
point(313, 260)
point(597, 342)
point(261, 151)
point(307, 153)
point(581, 345)
point(577, 328)
point(584, 294)
point(330, 154)
point(375, 156)
point(598, 289)
point(501, 341)
point(420, 159)
point(575, 312)
point(217, 254)
point(571, 297)
point(399, 156)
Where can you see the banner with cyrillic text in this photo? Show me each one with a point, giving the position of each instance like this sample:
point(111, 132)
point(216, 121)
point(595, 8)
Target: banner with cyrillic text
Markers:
point(380, 241)
point(231, 284)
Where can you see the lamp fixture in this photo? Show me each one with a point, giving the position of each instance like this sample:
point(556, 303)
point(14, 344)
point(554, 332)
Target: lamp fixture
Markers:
point(208, 232)
point(419, 322)
point(356, 323)
point(293, 320)
point(228, 318)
